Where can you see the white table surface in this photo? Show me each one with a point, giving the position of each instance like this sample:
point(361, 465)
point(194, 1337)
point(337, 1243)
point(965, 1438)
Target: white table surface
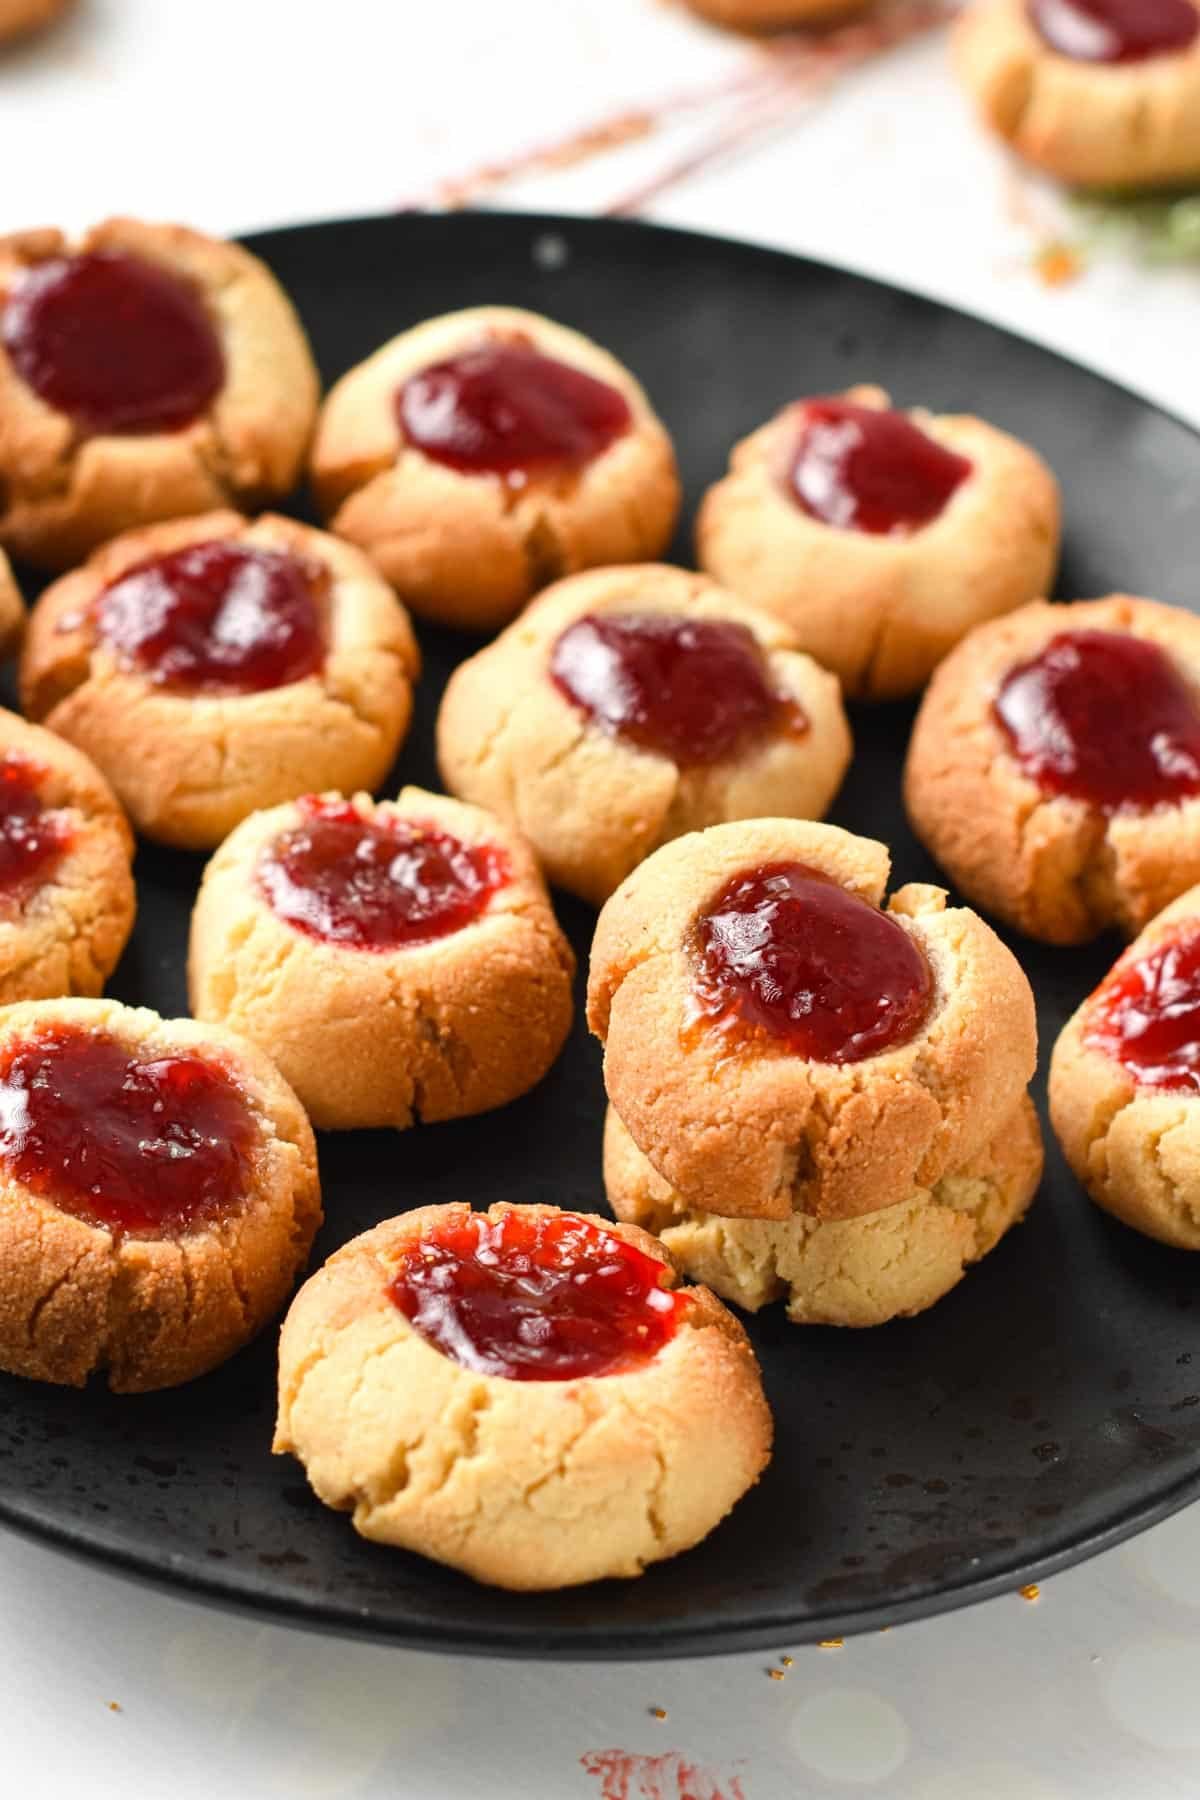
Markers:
point(239, 113)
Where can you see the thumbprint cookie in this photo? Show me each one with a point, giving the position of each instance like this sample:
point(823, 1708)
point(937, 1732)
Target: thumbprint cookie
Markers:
point(1125, 1082)
point(398, 960)
point(777, 1042)
point(628, 706)
point(158, 1194)
point(483, 455)
point(19, 17)
point(67, 898)
point(1099, 93)
point(878, 536)
point(888, 1264)
point(1054, 768)
point(213, 666)
point(523, 1394)
point(146, 372)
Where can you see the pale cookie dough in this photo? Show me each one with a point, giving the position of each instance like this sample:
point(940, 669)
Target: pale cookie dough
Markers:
point(1054, 866)
point(1135, 1148)
point(432, 1030)
point(151, 1311)
point(775, 15)
point(189, 766)
point(65, 935)
point(887, 1265)
point(12, 609)
point(592, 804)
point(62, 492)
point(470, 550)
point(17, 17)
point(1131, 124)
point(882, 610)
point(755, 1131)
point(522, 1484)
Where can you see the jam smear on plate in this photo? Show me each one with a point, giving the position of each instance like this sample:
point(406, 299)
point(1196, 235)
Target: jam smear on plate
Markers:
point(1103, 717)
point(376, 883)
point(694, 690)
point(118, 344)
point(784, 953)
point(541, 1297)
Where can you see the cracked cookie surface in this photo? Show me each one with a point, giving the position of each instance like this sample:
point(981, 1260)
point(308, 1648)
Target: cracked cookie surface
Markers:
point(1134, 1146)
point(1055, 866)
point(430, 1030)
point(881, 611)
point(1128, 124)
point(861, 1272)
point(754, 1131)
point(592, 803)
point(470, 550)
point(188, 766)
point(64, 491)
point(152, 1309)
point(522, 1484)
point(62, 931)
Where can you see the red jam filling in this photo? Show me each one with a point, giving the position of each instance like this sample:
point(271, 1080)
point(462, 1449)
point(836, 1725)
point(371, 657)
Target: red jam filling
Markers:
point(1116, 31)
point(536, 1297)
point(32, 840)
point(379, 883)
point(1103, 717)
point(505, 409)
point(695, 690)
point(217, 618)
point(1147, 1015)
point(117, 344)
point(860, 469)
point(137, 1144)
point(783, 951)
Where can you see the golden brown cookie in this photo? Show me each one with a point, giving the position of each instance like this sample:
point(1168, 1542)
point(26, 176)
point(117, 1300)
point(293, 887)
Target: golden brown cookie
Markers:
point(452, 460)
point(18, 17)
point(1063, 97)
point(214, 666)
point(628, 706)
point(12, 609)
point(398, 960)
point(775, 15)
point(1054, 768)
point(1125, 1082)
point(158, 1194)
point(522, 1394)
point(881, 537)
point(67, 898)
point(776, 1044)
point(887, 1265)
point(146, 372)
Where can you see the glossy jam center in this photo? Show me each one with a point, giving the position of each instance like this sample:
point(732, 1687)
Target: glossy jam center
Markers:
point(217, 617)
point(1116, 31)
point(505, 409)
point(138, 1144)
point(379, 883)
point(1147, 1015)
point(696, 690)
point(1103, 717)
point(786, 952)
point(114, 342)
point(536, 1298)
point(31, 839)
point(860, 469)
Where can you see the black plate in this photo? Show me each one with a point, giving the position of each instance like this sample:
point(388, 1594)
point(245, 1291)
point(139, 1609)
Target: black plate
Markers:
point(1047, 1408)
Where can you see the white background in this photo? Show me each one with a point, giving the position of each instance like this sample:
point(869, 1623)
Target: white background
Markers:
point(237, 113)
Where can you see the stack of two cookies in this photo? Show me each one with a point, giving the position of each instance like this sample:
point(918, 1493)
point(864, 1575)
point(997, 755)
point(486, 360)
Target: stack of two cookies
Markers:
point(812, 1096)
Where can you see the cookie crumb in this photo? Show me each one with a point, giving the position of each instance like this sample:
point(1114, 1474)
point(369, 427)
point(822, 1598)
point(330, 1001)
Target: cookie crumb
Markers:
point(1032, 1592)
point(775, 1674)
point(832, 1644)
point(788, 1661)
point(115, 1706)
point(658, 1712)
